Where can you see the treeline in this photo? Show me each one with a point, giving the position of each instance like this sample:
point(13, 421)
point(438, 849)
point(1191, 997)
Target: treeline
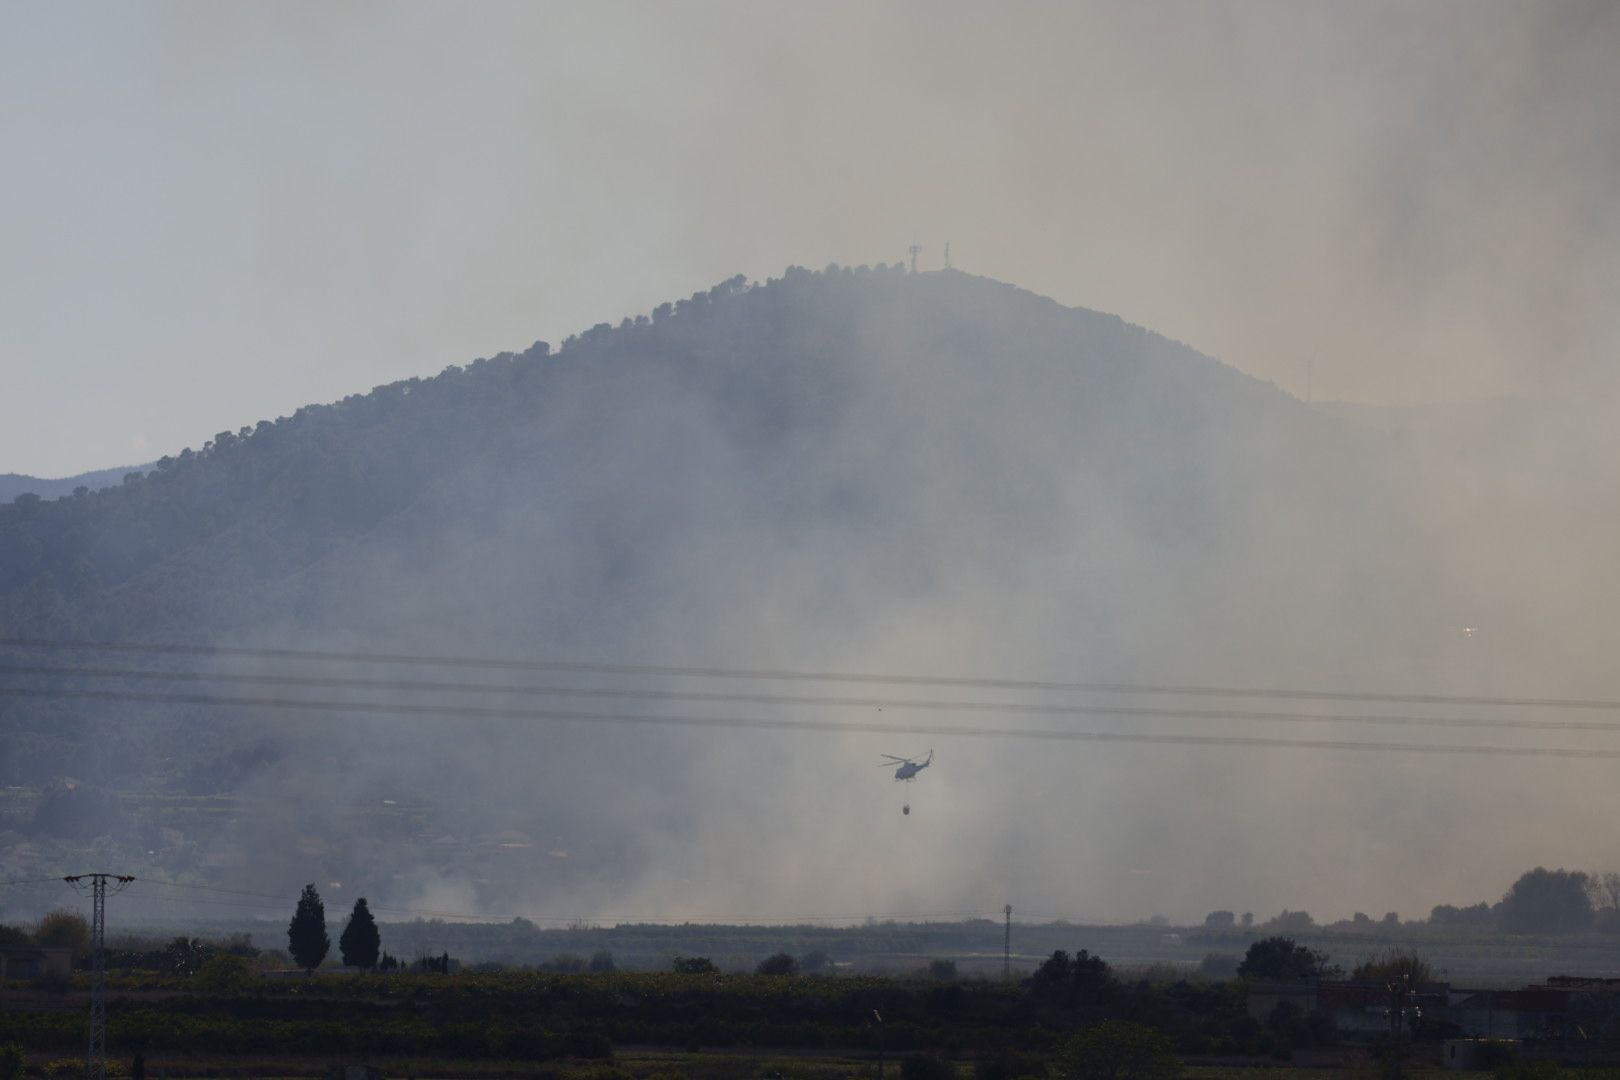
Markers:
point(535, 1016)
point(1541, 901)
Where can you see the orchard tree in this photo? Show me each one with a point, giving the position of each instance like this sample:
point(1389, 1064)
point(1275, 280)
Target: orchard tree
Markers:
point(1283, 958)
point(360, 943)
point(780, 964)
point(1395, 964)
point(306, 934)
point(1120, 1050)
point(64, 928)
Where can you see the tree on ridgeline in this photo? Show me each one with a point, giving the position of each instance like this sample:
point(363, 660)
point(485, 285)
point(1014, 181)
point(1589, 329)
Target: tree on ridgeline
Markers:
point(361, 942)
point(1547, 902)
point(1477, 915)
point(306, 934)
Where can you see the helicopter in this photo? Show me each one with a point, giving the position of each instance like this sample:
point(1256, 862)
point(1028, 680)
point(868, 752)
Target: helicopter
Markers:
point(909, 767)
point(907, 770)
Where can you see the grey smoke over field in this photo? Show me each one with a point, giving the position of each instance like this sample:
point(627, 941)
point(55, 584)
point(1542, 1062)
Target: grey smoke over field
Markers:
point(881, 473)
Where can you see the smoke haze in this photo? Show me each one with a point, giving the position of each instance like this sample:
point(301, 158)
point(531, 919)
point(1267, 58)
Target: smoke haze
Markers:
point(221, 215)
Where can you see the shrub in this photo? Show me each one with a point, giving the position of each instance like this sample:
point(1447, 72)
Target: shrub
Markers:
point(1120, 1050)
point(694, 965)
point(926, 1067)
point(226, 974)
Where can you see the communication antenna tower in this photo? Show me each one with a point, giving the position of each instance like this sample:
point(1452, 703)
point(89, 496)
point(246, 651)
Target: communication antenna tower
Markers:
point(947, 254)
point(95, 1060)
point(914, 249)
point(1006, 946)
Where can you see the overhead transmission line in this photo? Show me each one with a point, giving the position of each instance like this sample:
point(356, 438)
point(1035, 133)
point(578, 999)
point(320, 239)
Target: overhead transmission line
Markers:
point(864, 727)
point(570, 919)
point(139, 885)
point(715, 697)
point(785, 675)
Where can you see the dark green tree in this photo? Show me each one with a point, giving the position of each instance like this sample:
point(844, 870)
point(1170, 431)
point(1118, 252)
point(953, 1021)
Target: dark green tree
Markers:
point(185, 956)
point(1082, 976)
point(361, 942)
point(1547, 902)
point(602, 962)
point(1283, 958)
point(306, 934)
point(780, 964)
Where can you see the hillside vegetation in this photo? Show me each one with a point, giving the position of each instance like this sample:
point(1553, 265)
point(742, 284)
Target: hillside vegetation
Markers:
point(856, 469)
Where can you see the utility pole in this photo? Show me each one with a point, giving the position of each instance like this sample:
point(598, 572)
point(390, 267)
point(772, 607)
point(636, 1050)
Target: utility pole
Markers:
point(947, 254)
point(1402, 1005)
point(914, 249)
point(1006, 946)
point(95, 1059)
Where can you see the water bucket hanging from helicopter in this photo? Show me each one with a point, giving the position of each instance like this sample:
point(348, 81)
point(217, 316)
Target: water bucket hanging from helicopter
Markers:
point(906, 769)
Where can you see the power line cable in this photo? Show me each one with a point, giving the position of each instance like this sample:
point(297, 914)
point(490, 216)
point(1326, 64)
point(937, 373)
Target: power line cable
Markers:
point(707, 697)
point(808, 676)
point(564, 920)
point(783, 724)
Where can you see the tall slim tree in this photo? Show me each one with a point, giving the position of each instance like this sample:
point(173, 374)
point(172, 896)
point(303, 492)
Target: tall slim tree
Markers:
point(360, 942)
point(306, 934)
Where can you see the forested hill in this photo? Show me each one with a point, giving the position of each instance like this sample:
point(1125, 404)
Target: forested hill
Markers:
point(857, 470)
point(793, 405)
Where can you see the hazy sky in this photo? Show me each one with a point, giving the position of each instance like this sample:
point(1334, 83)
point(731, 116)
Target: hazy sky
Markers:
point(213, 213)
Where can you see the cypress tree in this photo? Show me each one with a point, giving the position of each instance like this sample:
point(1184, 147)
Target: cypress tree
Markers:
point(306, 934)
point(360, 942)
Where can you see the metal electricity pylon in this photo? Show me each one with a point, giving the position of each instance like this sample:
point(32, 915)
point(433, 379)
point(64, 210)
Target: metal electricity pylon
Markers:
point(95, 1059)
point(1403, 1009)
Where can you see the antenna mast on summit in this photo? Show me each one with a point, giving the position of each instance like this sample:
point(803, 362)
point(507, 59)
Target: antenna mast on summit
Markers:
point(947, 254)
point(914, 249)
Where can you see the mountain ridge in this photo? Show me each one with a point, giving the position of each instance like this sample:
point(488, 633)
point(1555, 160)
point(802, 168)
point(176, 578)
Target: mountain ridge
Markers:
point(839, 470)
